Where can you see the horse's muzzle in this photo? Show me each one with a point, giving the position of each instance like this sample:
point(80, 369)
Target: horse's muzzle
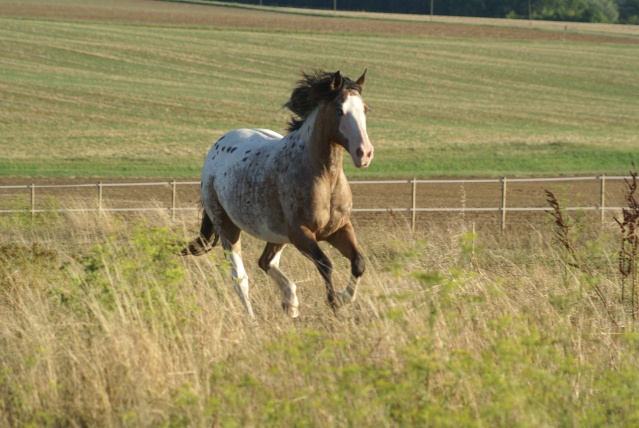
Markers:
point(363, 155)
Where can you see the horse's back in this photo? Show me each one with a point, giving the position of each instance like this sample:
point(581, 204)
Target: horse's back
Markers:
point(267, 133)
point(243, 136)
point(237, 147)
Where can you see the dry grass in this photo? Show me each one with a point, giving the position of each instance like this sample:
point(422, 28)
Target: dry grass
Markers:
point(102, 324)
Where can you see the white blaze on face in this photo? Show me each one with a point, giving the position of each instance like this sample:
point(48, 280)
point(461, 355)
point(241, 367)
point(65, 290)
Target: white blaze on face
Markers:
point(353, 127)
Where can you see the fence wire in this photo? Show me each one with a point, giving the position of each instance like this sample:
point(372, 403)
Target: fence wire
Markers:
point(411, 209)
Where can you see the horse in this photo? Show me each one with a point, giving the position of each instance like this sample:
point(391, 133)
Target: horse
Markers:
point(290, 189)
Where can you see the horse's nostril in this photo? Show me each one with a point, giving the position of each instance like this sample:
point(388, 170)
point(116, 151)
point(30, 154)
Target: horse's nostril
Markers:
point(369, 154)
point(360, 152)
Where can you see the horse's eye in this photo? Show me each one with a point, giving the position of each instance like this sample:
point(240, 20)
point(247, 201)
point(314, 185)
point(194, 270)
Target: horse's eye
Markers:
point(340, 112)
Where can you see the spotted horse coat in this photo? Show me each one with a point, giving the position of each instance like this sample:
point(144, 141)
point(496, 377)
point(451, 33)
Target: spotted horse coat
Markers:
point(290, 189)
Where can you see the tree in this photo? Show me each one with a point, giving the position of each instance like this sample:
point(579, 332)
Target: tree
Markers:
point(628, 11)
point(560, 10)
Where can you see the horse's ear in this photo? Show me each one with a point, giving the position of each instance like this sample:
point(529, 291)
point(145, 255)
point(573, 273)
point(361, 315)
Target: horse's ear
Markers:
point(362, 79)
point(337, 80)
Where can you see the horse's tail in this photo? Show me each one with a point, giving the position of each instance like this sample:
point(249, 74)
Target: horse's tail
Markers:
point(200, 245)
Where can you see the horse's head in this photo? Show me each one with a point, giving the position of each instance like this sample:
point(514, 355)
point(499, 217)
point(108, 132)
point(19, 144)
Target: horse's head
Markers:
point(342, 111)
point(349, 112)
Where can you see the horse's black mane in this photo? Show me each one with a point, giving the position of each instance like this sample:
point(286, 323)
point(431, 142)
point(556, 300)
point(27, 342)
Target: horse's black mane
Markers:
point(313, 89)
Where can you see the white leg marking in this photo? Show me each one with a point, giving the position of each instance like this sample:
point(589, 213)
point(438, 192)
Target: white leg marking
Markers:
point(289, 289)
point(240, 279)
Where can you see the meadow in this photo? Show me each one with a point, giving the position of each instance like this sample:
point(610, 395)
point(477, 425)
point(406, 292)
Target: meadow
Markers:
point(102, 323)
point(121, 98)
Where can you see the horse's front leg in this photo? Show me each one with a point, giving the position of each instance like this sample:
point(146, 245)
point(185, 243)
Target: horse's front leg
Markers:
point(346, 243)
point(305, 241)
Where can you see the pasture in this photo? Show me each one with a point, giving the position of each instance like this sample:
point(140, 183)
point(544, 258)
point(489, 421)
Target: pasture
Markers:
point(103, 324)
point(117, 90)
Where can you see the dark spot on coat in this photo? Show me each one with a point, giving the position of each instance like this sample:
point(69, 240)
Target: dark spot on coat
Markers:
point(258, 153)
point(233, 149)
point(247, 152)
point(221, 138)
point(244, 160)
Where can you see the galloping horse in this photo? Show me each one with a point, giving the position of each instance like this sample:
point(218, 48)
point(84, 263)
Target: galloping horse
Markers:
point(290, 189)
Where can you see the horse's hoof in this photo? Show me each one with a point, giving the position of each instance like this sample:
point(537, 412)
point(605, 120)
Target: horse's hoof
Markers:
point(335, 302)
point(291, 310)
point(339, 299)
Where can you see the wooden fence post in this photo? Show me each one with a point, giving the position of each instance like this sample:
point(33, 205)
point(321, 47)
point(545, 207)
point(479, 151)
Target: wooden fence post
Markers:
point(173, 199)
point(100, 198)
point(32, 186)
point(503, 204)
point(414, 204)
point(602, 197)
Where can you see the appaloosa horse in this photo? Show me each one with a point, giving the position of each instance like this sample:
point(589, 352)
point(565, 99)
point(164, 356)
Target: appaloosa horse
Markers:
point(290, 189)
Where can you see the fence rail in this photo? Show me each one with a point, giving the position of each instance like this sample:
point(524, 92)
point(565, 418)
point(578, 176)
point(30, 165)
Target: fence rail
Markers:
point(413, 209)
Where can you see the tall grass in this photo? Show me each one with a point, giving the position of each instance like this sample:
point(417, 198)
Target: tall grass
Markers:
point(103, 324)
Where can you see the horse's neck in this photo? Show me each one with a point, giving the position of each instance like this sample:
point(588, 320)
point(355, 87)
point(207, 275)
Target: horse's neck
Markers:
point(324, 156)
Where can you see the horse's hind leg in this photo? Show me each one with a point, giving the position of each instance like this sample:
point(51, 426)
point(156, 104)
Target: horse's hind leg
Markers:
point(230, 237)
point(270, 262)
point(200, 245)
point(345, 242)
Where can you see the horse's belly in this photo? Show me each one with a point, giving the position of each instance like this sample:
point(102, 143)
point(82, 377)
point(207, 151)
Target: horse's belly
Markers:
point(251, 214)
point(263, 232)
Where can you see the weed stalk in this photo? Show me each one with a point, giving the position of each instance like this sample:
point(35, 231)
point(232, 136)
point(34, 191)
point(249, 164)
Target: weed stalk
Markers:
point(563, 235)
point(629, 248)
